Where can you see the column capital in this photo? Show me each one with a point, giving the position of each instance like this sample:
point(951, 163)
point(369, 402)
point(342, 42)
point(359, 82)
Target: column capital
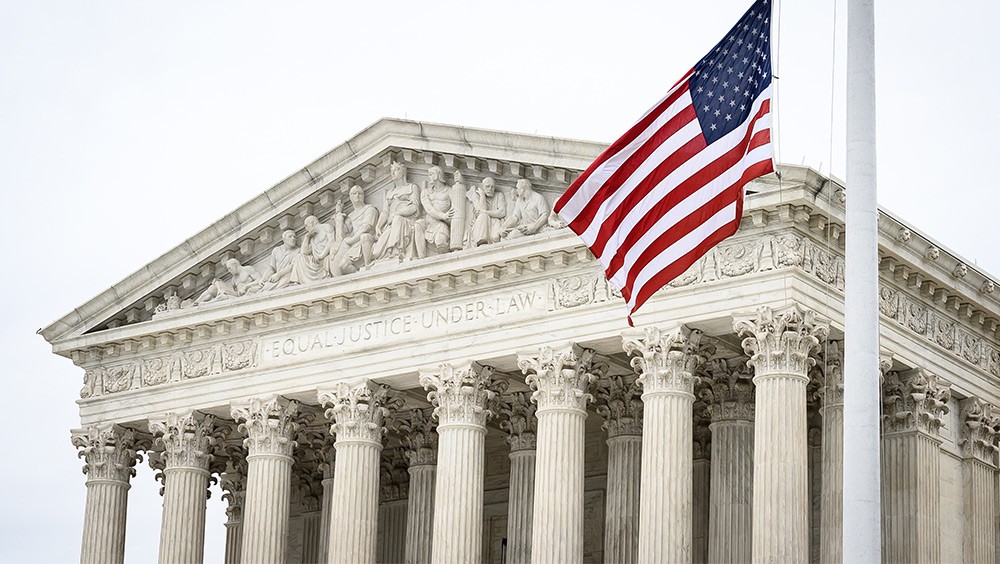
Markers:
point(418, 433)
point(619, 404)
point(269, 423)
point(560, 377)
point(394, 475)
point(108, 452)
point(667, 360)
point(832, 386)
point(728, 391)
point(702, 433)
point(234, 483)
point(462, 394)
point(916, 400)
point(780, 341)
point(186, 439)
point(359, 412)
point(980, 428)
point(519, 422)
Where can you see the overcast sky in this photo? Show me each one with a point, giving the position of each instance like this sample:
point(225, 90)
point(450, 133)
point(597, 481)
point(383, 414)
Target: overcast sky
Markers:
point(126, 127)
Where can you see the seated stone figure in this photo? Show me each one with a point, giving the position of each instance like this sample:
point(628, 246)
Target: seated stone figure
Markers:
point(489, 209)
point(278, 273)
point(435, 227)
point(245, 281)
point(528, 215)
point(311, 264)
point(396, 224)
point(357, 230)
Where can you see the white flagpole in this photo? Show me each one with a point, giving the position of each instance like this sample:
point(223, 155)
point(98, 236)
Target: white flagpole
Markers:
point(862, 393)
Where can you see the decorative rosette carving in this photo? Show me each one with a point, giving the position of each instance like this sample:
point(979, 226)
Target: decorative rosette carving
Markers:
point(781, 342)
point(831, 388)
point(462, 395)
point(619, 404)
point(727, 392)
point(519, 421)
point(667, 361)
point(359, 412)
point(980, 427)
point(560, 378)
point(916, 400)
point(418, 433)
point(270, 425)
point(185, 440)
point(394, 476)
point(108, 452)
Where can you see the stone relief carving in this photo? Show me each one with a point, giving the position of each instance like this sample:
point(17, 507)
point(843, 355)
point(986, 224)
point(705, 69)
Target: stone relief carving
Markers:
point(151, 371)
point(414, 222)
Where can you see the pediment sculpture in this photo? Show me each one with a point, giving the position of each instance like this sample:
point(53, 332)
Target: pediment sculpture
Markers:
point(414, 222)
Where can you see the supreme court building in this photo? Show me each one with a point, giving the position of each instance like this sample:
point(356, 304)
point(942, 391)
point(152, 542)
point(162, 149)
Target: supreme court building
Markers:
point(399, 354)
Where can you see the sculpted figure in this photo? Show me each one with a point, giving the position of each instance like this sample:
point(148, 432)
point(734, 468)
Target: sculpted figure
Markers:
point(245, 280)
point(396, 225)
point(278, 273)
point(436, 225)
point(310, 264)
point(460, 204)
point(358, 234)
point(489, 208)
point(529, 214)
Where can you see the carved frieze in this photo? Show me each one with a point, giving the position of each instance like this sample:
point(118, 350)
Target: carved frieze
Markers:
point(156, 370)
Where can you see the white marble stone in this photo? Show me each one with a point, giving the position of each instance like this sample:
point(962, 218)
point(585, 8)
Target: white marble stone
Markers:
point(418, 433)
point(521, 425)
point(619, 404)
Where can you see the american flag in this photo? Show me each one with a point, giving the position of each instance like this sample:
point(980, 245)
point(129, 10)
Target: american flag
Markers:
point(671, 188)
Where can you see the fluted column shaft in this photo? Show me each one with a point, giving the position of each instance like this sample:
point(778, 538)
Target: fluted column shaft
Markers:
point(359, 412)
point(701, 474)
point(621, 520)
point(186, 440)
point(392, 534)
point(978, 441)
point(326, 507)
point(234, 540)
point(560, 379)
point(269, 425)
point(311, 533)
point(911, 498)
point(779, 346)
point(832, 496)
point(420, 514)
point(731, 514)
point(521, 507)
point(666, 362)
point(110, 457)
point(461, 395)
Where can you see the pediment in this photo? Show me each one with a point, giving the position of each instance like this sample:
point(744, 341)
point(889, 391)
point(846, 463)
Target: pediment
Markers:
point(194, 279)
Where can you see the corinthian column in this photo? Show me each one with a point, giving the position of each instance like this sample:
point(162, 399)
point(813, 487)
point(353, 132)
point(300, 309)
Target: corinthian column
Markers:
point(831, 533)
point(418, 433)
point(914, 404)
point(729, 396)
point(234, 483)
point(462, 397)
point(109, 458)
point(269, 425)
point(359, 413)
point(328, 457)
point(560, 380)
point(666, 363)
point(186, 441)
point(701, 481)
point(980, 423)
point(521, 425)
point(619, 404)
point(779, 346)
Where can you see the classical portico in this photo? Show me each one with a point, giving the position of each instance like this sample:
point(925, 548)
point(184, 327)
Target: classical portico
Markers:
point(400, 354)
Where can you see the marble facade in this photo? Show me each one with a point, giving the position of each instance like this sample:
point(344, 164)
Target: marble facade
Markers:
point(399, 354)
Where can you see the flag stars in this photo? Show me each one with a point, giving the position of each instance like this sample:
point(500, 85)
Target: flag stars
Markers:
point(729, 117)
point(712, 127)
point(716, 113)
